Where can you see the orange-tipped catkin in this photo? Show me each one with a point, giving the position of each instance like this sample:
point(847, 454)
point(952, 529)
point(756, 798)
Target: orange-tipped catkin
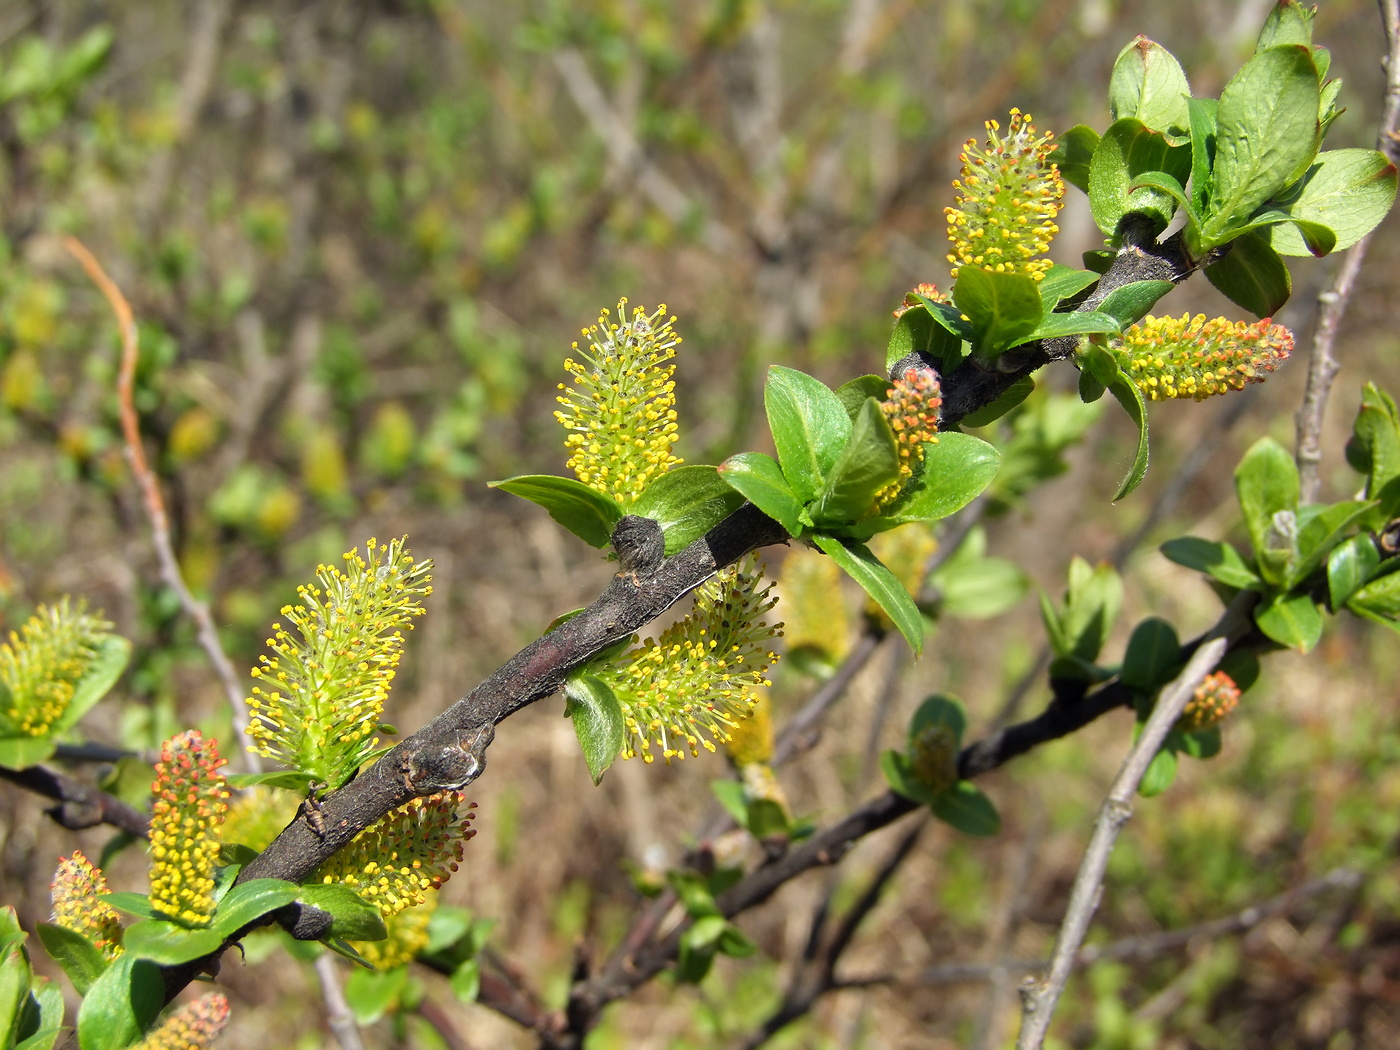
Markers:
point(1190, 357)
point(1215, 698)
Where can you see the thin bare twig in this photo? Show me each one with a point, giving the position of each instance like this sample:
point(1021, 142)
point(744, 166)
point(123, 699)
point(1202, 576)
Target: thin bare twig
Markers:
point(154, 504)
point(338, 1016)
point(79, 805)
point(1040, 997)
point(1332, 303)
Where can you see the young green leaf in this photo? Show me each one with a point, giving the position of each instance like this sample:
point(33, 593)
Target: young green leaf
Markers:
point(1129, 149)
point(121, 1004)
point(810, 428)
point(1062, 282)
point(1289, 22)
point(1153, 654)
point(1077, 322)
point(853, 394)
point(1292, 620)
point(967, 809)
point(352, 917)
point(919, 330)
point(81, 961)
point(1148, 83)
point(868, 464)
point(113, 654)
point(1374, 448)
point(1202, 114)
point(760, 480)
point(1130, 397)
point(1161, 771)
point(1348, 567)
point(1001, 404)
point(22, 752)
point(1003, 308)
point(1266, 134)
point(1348, 191)
point(1379, 600)
point(1319, 530)
point(249, 901)
point(1266, 482)
point(1072, 153)
point(597, 718)
point(687, 502)
point(1220, 561)
point(371, 993)
point(1252, 275)
point(168, 944)
point(954, 472)
point(1129, 303)
point(587, 513)
point(883, 586)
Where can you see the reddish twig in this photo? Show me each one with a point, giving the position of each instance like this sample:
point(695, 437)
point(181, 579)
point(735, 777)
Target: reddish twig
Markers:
point(153, 502)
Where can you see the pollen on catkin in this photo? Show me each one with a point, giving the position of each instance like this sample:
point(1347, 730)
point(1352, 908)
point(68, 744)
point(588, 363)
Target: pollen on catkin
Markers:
point(1215, 698)
point(620, 411)
point(911, 409)
point(323, 688)
point(193, 1026)
point(42, 663)
point(415, 848)
point(1008, 196)
point(1190, 357)
point(190, 800)
point(690, 688)
point(77, 890)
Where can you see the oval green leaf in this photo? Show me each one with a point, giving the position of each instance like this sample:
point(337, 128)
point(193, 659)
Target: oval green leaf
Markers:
point(584, 511)
point(687, 502)
point(760, 480)
point(810, 427)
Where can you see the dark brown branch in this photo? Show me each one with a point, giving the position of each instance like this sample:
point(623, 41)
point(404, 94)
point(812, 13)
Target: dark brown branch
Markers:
point(79, 805)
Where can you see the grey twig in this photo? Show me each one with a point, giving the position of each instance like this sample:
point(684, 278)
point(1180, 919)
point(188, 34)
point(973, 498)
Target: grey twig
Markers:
point(1332, 303)
point(79, 805)
point(338, 1016)
point(1039, 997)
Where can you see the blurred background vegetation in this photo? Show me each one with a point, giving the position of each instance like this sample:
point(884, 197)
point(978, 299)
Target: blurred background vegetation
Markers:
point(360, 237)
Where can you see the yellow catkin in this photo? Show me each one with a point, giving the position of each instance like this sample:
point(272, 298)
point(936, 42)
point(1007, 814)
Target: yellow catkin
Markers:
point(42, 663)
point(621, 409)
point(190, 800)
point(1008, 196)
point(77, 891)
point(1193, 358)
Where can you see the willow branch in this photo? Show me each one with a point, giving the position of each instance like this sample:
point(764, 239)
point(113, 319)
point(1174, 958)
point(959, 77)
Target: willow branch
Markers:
point(79, 805)
point(153, 502)
point(1333, 302)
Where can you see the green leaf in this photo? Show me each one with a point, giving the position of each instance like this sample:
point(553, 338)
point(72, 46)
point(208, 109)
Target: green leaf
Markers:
point(733, 796)
point(1160, 773)
point(1130, 303)
point(1148, 83)
point(687, 502)
point(1266, 482)
point(1292, 620)
point(1319, 530)
point(16, 977)
point(466, 981)
point(766, 819)
point(1078, 322)
point(1266, 134)
point(1348, 567)
point(21, 752)
point(1220, 561)
point(1130, 397)
point(1348, 191)
point(735, 943)
point(121, 1004)
point(968, 810)
point(251, 900)
point(586, 512)
point(1379, 600)
point(133, 904)
point(1202, 114)
point(168, 944)
point(1252, 275)
point(976, 587)
point(1062, 282)
point(1128, 149)
point(1202, 744)
point(1289, 22)
point(598, 721)
point(1172, 187)
point(938, 710)
point(760, 480)
point(1003, 308)
point(1374, 448)
point(955, 471)
point(882, 585)
point(372, 994)
point(1001, 404)
point(922, 329)
point(352, 917)
point(1153, 654)
point(113, 654)
point(868, 464)
point(810, 428)
point(81, 961)
point(900, 778)
point(1073, 152)
point(853, 395)
point(290, 779)
point(1093, 600)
